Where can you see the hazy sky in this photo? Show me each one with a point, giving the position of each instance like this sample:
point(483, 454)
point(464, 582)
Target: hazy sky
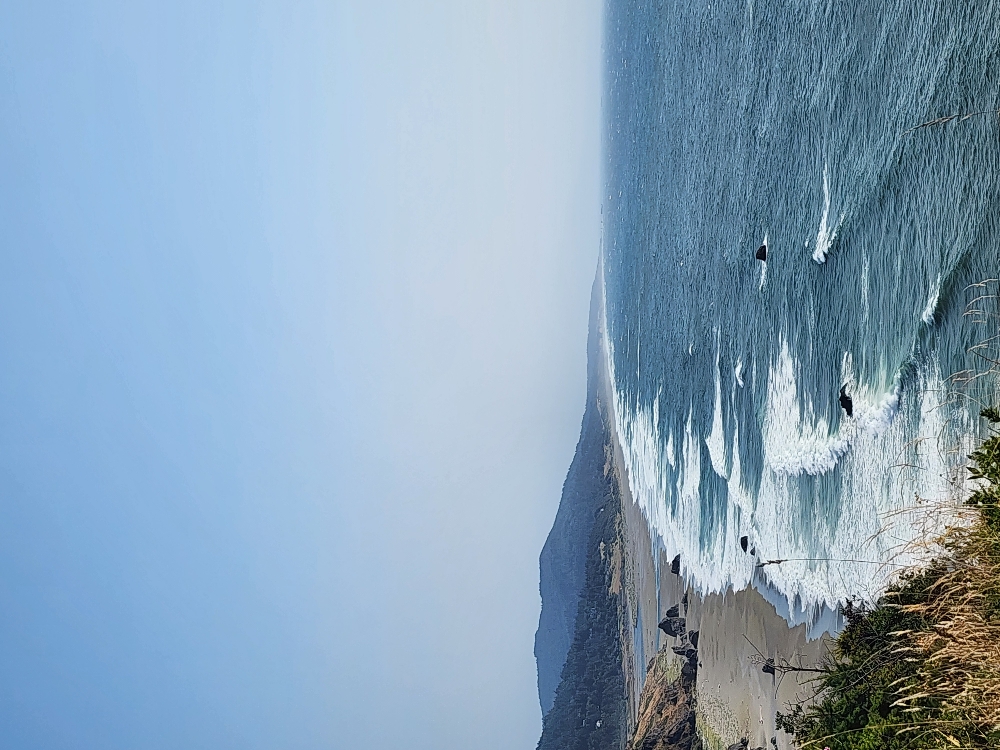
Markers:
point(293, 306)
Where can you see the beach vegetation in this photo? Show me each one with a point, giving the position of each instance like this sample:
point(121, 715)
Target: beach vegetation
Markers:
point(920, 667)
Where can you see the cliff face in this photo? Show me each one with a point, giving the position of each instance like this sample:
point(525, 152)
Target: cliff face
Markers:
point(666, 714)
point(562, 563)
point(666, 717)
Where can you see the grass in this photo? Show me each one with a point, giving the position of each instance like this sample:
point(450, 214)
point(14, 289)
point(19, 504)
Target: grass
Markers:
point(920, 668)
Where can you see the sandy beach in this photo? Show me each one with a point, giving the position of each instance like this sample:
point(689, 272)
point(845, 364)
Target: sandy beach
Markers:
point(737, 629)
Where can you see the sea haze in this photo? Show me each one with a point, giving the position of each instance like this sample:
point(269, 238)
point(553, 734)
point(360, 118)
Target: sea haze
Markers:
point(794, 125)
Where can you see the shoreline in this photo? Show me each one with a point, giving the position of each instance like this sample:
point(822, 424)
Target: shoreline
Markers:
point(736, 700)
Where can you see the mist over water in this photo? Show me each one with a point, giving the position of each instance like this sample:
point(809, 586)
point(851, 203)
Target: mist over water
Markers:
point(792, 125)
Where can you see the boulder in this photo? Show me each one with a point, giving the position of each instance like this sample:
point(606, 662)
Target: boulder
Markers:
point(673, 626)
point(689, 671)
point(846, 402)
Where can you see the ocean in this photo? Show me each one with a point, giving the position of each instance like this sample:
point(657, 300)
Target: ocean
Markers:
point(795, 125)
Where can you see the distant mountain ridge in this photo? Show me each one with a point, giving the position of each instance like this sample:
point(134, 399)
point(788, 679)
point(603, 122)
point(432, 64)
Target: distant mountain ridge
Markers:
point(608, 678)
point(579, 642)
point(562, 562)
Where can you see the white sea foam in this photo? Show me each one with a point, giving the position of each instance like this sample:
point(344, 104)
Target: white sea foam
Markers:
point(797, 442)
point(927, 316)
point(882, 469)
point(824, 236)
point(875, 487)
point(716, 440)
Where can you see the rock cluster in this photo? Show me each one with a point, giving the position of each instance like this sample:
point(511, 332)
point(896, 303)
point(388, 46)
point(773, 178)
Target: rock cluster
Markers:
point(667, 707)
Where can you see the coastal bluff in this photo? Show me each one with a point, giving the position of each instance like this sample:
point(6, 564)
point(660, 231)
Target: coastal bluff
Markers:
point(563, 561)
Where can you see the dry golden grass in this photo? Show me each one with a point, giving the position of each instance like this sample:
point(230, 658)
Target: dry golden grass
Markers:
point(959, 653)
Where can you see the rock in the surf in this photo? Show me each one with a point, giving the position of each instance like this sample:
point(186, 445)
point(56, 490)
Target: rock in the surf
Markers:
point(846, 403)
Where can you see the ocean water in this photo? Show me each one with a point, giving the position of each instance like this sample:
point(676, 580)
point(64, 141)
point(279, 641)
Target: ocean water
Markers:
point(732, 124)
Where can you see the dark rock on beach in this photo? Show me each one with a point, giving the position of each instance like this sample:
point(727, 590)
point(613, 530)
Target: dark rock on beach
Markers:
point(672, 623)
point(672, 626)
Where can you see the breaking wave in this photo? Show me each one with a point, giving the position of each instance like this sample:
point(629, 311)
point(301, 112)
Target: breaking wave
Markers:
point(884, 461)
point(824, 236)
point(798, 442)
point(927, 316)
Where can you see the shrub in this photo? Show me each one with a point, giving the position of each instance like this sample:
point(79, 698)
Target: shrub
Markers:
point(921, 667)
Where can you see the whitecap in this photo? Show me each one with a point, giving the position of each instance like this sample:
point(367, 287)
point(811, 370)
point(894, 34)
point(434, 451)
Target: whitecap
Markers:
point(796, 441)
point(865, 284)
point(716, 440)
point(927, 316)
point(824, 236)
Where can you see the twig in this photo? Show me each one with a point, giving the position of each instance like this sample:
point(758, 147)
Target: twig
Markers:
point(942, 120)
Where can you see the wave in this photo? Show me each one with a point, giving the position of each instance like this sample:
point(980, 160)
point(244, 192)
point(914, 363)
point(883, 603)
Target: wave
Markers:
point(797, 442)
point(927, 316)
point(824, 236)
point(716, 440)
point(863, 518)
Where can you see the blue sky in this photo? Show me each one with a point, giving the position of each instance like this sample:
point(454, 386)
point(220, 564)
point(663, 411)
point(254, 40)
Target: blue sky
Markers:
point(293, 304)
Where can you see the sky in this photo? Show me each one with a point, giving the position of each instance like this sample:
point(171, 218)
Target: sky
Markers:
point(293, 310)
